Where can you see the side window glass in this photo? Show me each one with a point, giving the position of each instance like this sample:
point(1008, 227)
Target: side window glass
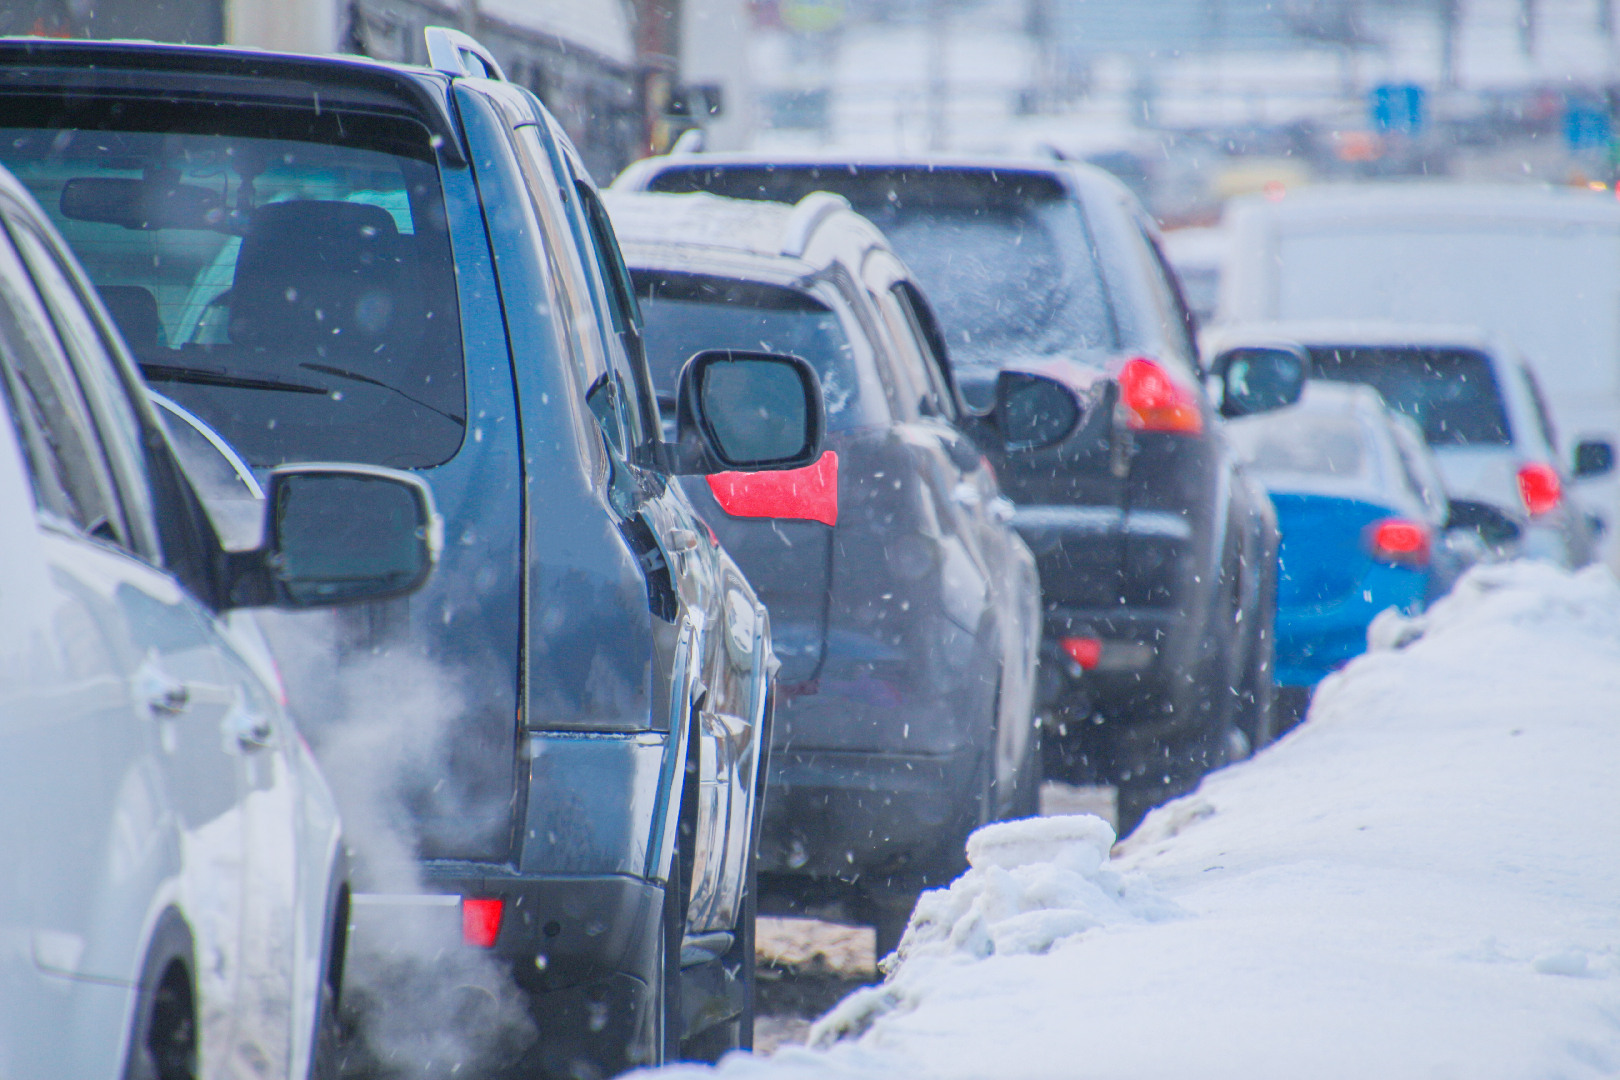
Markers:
point(1178, 321)
point(71, 484)
point(930, 344)
point(578, 320)
point(619, 295)
point(1543, 414)
point(113, 417)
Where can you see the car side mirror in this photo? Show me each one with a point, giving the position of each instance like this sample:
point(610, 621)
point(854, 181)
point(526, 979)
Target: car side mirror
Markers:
point(1493, 526)
point(1259, 378)
point(1034, 412)
point(339, 534)
point(741, 411)
point(1593, 457)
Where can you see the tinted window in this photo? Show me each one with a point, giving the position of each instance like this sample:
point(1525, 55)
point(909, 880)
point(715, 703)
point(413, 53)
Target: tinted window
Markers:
point(688, 313)
point(1004, 257)
point(284, 274)
point(1450, 393)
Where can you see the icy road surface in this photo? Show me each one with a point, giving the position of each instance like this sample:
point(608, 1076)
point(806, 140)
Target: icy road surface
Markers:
point(1422, 881)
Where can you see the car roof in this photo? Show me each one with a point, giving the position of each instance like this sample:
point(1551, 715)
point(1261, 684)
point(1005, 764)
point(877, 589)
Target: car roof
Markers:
point(1429, 201)
point(749, 238)
point(115, 67)
point(1354, 332)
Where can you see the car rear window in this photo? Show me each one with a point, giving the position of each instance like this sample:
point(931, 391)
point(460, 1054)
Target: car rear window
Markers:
point(1295, 441)
point(1450, 393)
point(688, 313)
point(1004, 256)
point(284, 274)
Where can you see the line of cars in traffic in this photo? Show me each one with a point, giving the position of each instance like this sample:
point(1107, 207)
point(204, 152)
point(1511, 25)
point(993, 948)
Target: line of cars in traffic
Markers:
point(789, 519)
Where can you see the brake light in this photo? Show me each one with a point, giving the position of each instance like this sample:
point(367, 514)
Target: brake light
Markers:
point(807, 494)
point(1397, 540)
point(1156, 402)
point(481, 920)
point(1540, 488)
point(1085, 651)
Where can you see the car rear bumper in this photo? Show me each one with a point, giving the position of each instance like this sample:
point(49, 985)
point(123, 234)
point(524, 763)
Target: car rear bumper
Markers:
point(584, 949)
point(1312, 642)
point(836, 814)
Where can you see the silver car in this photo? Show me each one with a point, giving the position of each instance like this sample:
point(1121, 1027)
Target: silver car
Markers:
point(175, 893)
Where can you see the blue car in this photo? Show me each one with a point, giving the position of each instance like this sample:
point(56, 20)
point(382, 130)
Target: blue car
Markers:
point(1362, 513)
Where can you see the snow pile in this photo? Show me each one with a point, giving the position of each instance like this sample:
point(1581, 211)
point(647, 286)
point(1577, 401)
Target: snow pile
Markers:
point(1421, 881)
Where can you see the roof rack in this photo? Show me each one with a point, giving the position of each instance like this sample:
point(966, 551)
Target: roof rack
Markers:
point(808, 213)
point(451, 51)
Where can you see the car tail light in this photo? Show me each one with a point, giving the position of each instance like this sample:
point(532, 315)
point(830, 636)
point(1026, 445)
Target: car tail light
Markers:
point(807, 494)
point(481, 920)
point(1540, 488)
point(1085, 651)
point(1156, 402)
point(1397, 540)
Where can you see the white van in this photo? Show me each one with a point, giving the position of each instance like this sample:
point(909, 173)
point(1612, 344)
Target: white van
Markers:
point(1537, 265)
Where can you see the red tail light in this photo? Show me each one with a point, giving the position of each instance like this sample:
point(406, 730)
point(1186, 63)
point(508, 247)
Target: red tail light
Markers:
point(807, 494)
point(1540, 488)
point(481, 920)
point(1156, 402)
point(1085, 651)
point(1397, 540)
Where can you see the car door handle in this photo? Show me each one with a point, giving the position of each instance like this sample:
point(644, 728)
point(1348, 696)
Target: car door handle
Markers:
point(682, 540)
point(253, 732)
point(164, 696)
point(966, 495)
point(1001, 510)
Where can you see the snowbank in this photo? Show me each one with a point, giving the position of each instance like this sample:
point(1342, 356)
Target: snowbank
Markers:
point(1422, 881)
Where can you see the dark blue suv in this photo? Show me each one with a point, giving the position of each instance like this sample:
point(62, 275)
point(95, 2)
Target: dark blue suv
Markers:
point(336, 259)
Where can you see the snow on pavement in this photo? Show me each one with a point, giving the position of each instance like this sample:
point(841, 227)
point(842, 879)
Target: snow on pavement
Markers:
point(1422, 881)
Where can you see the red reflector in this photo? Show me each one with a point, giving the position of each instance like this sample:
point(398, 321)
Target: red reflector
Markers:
point(481, 920)
point(1156, 402)
point(1540, 488)
point(807, 494)
point(1085, 651)
point(1397, 540)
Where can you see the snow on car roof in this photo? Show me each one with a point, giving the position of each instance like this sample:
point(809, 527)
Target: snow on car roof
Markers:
point(755, 228)
point(1369, 332)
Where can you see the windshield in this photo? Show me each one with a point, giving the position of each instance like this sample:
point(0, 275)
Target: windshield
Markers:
point(295, 293)
point(688, 313)
point(1450, 393)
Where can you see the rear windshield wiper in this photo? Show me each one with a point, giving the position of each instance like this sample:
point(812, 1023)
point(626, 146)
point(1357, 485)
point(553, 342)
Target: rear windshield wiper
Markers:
point(355, 376)
point(181, 373)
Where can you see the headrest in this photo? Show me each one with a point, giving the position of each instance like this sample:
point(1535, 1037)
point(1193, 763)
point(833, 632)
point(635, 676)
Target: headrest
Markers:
point(327, 275)
point(135, 310)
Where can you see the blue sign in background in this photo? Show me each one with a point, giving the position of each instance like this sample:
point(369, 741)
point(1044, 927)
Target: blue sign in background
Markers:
point(1398, 108)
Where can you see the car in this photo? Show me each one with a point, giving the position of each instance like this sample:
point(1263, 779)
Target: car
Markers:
point(331, 257)
point(177, 889)
point(1155, 552)
point(1481, 409)
point(1534, 265)
point(904, 607)
point(1362, 511)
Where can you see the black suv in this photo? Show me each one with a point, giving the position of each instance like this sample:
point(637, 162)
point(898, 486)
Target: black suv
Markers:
point(1157, 556)
point(906, 610)
point(332, 258)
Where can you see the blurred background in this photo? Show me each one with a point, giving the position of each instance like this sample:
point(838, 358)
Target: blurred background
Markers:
point(1189, 101)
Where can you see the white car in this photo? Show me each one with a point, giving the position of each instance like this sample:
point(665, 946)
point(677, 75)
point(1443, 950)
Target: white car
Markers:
point(175, 894)
point(1538, 266)
point(1480, 408)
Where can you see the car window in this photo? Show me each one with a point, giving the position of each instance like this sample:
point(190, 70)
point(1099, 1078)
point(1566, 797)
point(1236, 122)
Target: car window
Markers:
point(72, 484)
point(1179, 326)
point(620, 297)
point(1451, 393)
point(231, 494)
point(1544, 419)
point(112, 417)
point(1418, 463)
point(283, 273)
point(930, 343)
point(609, 399)
point(687, 313)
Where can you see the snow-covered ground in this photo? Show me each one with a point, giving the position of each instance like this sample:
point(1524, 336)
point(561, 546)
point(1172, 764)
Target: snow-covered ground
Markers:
point(1422, 881)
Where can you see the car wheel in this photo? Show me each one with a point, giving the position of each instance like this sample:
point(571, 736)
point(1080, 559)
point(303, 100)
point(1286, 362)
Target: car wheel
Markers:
point(165, 1043)
point(1256, 705)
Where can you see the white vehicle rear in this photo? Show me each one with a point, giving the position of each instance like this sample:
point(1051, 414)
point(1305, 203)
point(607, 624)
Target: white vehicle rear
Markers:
point(1538, 266)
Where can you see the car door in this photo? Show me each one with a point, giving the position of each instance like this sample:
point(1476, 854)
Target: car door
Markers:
point(100, 548)
point(217, 725)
